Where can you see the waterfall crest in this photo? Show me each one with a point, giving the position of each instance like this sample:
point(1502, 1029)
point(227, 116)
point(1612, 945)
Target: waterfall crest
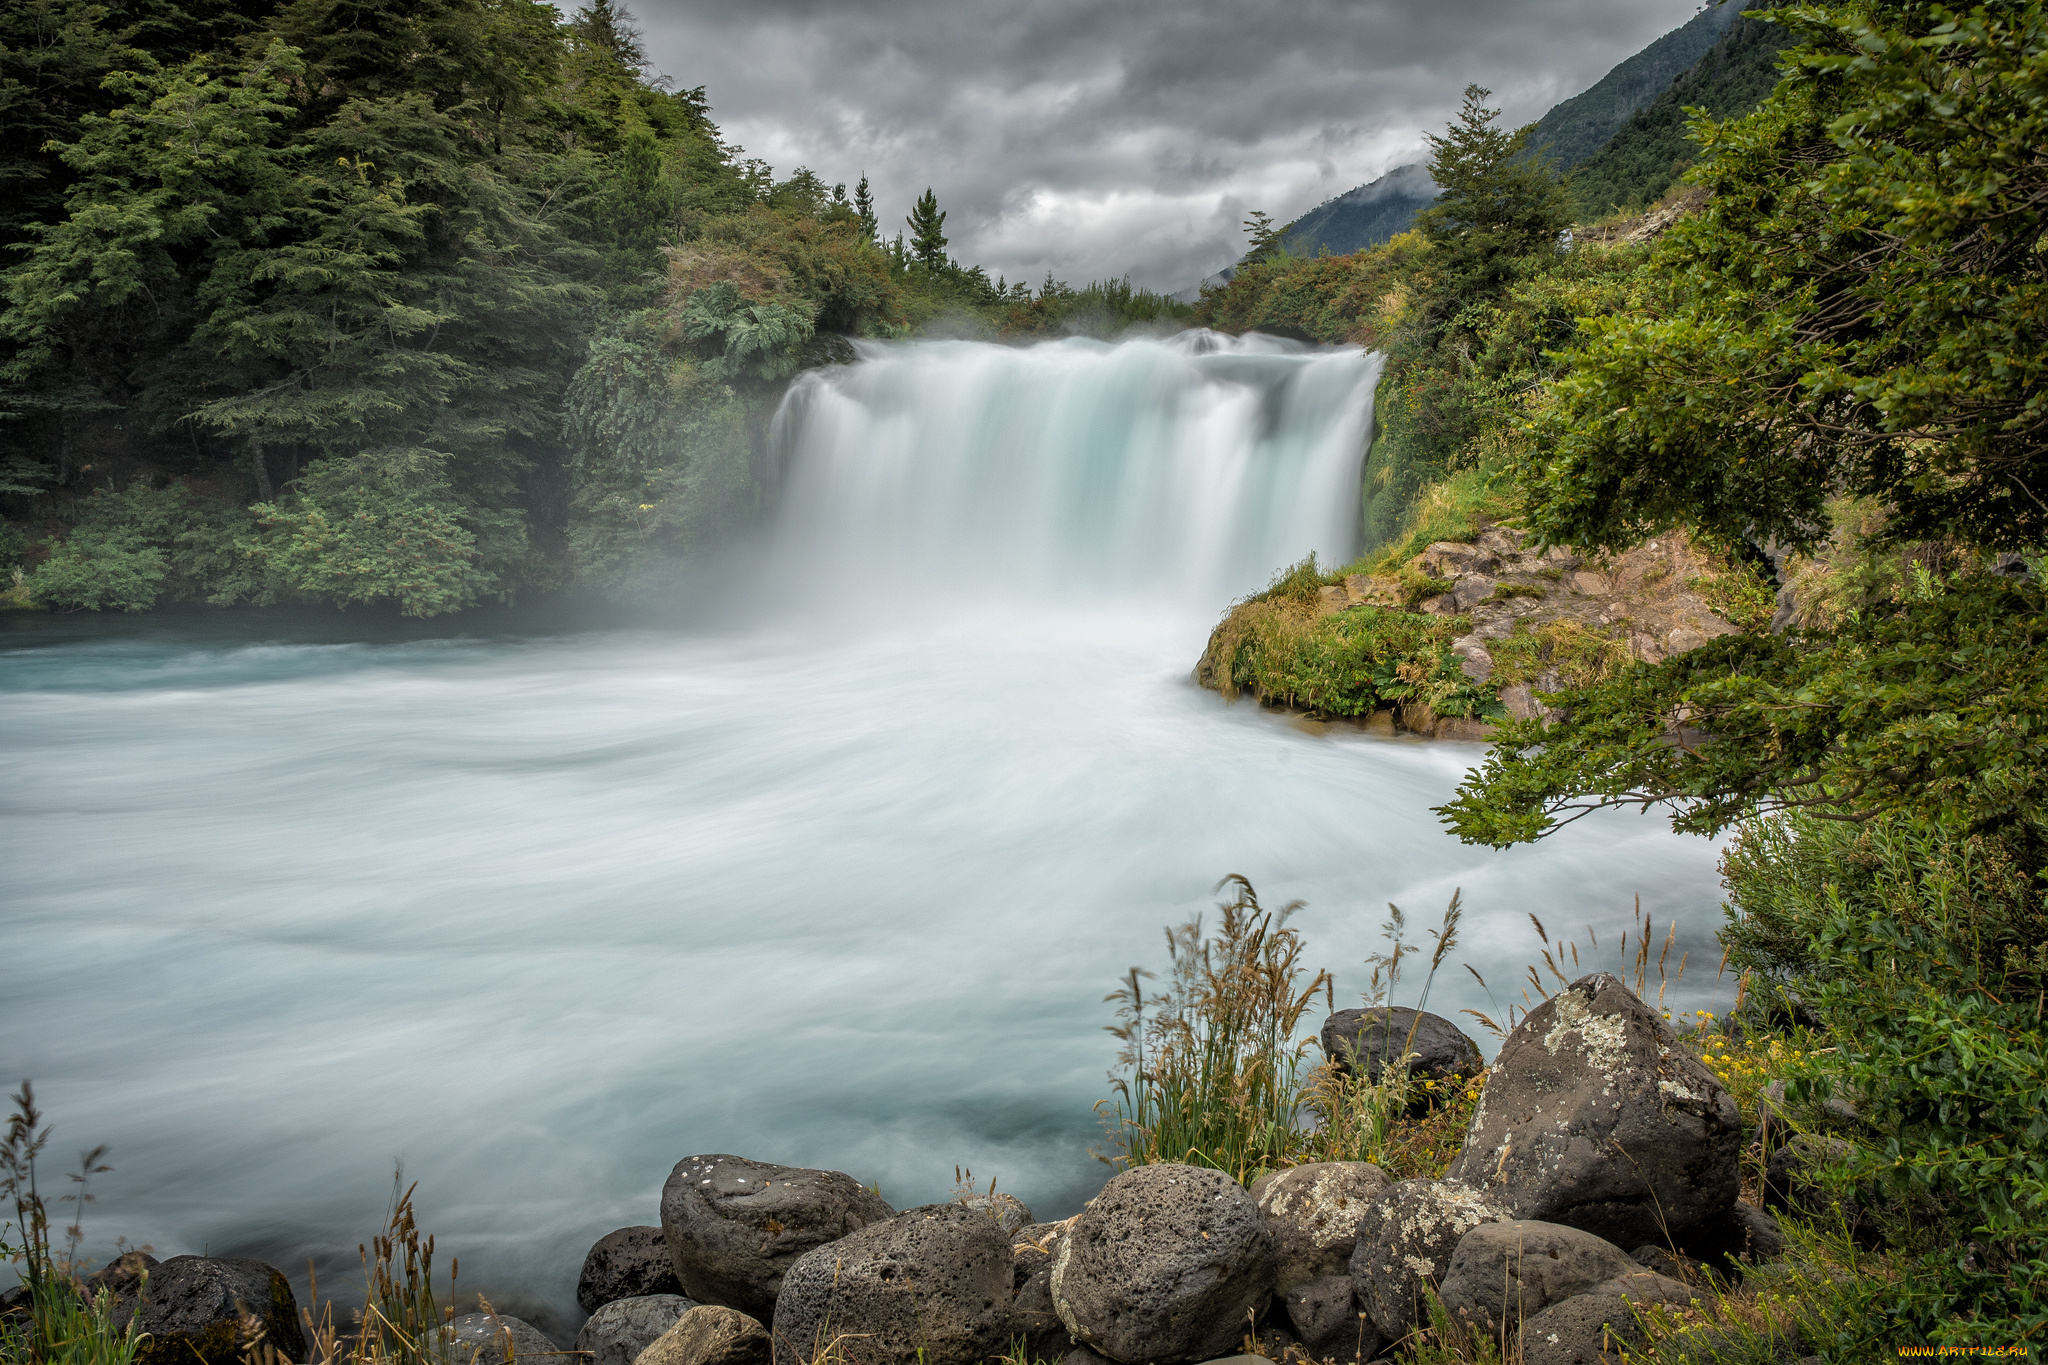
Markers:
point(1191, 466)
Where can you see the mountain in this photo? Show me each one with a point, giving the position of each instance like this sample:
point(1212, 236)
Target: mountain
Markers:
point(1649, 150)
point(1366, 216)
point(1579, 127)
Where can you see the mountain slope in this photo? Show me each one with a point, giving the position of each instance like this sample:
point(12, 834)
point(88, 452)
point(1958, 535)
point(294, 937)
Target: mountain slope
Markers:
point(1647, 153)
point(1365, 216)
point(1577, 128)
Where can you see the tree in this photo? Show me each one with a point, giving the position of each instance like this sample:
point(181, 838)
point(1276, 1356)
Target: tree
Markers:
point(864, 205)
point(1494, 206)
point(1857, 309)
point(1267, 240)
point(927, 231)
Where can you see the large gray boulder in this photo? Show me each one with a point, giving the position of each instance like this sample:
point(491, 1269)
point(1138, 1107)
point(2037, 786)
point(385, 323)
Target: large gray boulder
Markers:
point(1168, 1263)
point(1405, 1244)
point(1325, 1316)
point(1595, 1116)
point(1366, 1042)
point(1033, 1318)
point(1314, 1212)
point(630, 1263)
point(735, 1227)
point(619, 1331)
point(711, 1335)
point(193, 1309)
point(493, 1338)
point(928, 1287)
point(1502, 1272)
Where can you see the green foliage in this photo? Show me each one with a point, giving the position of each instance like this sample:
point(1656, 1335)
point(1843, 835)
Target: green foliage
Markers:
point(1856, 309)
point(1268, 238)
point(927, 231)
point(1493, 207)
point(752, 339)
point(1923, 946)
point(129, 550)
point(383, 526)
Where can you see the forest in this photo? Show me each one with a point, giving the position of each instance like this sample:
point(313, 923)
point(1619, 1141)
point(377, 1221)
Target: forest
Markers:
point(424, 304)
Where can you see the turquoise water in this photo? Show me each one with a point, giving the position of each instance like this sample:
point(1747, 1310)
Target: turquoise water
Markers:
point(541, 908)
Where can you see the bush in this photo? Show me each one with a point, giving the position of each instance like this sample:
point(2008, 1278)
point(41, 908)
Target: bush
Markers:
point(128, 550)
point(382, 526)
point(1922, 944)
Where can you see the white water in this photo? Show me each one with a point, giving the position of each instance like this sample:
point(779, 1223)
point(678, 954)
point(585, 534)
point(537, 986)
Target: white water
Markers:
point(543, 912)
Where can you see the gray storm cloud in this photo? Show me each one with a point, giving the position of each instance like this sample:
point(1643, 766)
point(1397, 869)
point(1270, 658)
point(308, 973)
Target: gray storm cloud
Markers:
point(1094, 140)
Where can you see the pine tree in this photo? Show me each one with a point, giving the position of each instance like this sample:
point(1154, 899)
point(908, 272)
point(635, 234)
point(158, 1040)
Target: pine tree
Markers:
point(1495, 207)
point(864, 205)
point(1266, 238)
point(927, 231)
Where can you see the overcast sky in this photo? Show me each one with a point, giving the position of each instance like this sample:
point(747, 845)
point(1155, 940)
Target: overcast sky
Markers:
point(1097, 138)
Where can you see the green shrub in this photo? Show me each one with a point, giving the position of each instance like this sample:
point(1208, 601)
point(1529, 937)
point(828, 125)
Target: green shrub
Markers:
point(1923, 946)
point(1345, 663)
point(381, 526)
point(128, 550)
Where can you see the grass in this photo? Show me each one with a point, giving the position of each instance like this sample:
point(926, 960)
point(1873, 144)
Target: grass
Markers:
point(1577, 654)
point(1457, 507)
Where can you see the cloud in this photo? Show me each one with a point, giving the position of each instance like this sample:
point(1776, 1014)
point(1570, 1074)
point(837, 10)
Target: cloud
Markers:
point(1115, 137)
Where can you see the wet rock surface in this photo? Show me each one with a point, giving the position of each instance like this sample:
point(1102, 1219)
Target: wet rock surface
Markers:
point(734, 1227)
point(711, 1335)
point(1169, 1263)
point(931, 1286)
point(192, 1307)
point(630, 1263)
point(1367, 1041)
point(619, 1331)
point(1595, 1117)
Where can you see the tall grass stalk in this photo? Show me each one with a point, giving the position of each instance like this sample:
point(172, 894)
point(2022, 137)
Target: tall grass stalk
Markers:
point(1213, 1066)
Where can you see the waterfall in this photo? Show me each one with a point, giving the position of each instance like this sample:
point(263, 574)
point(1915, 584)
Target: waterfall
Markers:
point(1191, 466)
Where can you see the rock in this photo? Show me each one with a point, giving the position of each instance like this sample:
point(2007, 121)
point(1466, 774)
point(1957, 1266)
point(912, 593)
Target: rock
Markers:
point(1325, 1315)
point(1592, 1329)
point(735, 1227)
point(193, 1306)
point(1380, 722)
point(1313, 1212)
point(1034, 1246)
point(1474, 660)
point(1666, 1262)
point(120, 1276)
point(1595, 1117)
point(711, 1335)
point(630, 1263)
point(1033, 1317)
point(1681, 638)
point(931, 1286)
point(1081, 1355)
point(1363, 1041)
point(619, 1331)
point(1168, 1263)
point(1009, 1212)
point(1466, 729)
point(1790, 1184)
point(1472, 589)
point(1405, 1244)
point(1520, 700)
point(1502, 1272)
point(1646, 1287)
point(1740, 1235)
point(488, 1339)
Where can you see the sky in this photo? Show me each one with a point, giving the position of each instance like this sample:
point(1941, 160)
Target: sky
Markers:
point(1095, 139)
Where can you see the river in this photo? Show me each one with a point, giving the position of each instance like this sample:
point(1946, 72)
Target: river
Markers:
point(835, 875)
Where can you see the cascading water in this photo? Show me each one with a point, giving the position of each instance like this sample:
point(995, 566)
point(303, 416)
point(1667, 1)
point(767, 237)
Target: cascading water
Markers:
point(1192, 466)
point(542, 913)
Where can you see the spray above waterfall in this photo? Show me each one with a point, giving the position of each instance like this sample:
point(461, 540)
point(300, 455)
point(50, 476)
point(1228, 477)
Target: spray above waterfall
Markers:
point(1191, 466)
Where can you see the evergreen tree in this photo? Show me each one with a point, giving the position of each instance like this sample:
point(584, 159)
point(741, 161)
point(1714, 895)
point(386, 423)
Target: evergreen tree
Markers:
point(1495, 205)
point(927, 231)
point(1267, 239)
point(864, 205)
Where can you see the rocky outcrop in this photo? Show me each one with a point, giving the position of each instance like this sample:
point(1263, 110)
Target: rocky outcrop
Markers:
point(1169, 1263)
point(734, 1227)
point(1313, 1212)
point(619, 1331)
point(1594, 1116)
point(630, 1263)
point(210, 1309)
point(931, 1286)
point(711, 1335)
point(1365, 1041)
point(1009, 1212)
point(1502, 1272)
